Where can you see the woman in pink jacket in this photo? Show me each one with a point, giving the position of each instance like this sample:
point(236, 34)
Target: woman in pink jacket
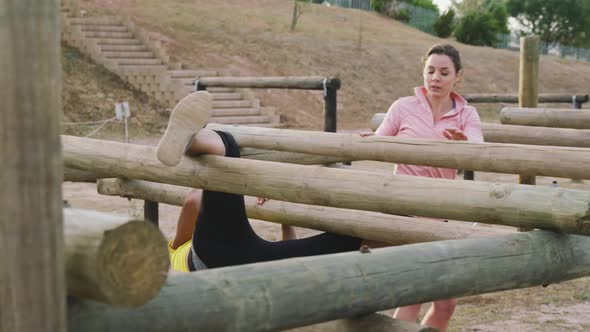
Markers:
point(434, 112)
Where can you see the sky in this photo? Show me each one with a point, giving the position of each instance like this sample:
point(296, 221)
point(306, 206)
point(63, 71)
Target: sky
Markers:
point(443, 5)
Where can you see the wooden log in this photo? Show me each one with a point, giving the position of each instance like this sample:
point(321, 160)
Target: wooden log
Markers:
point(372, 322)
point(528, 88)
point(511, 98)
point(546, 117)
point(289, 82)
point(489, 157)
point(506, 204)
point(260, 297)
point(113, 259)
point(32, 278)
point(497, 133)
point(396, 230)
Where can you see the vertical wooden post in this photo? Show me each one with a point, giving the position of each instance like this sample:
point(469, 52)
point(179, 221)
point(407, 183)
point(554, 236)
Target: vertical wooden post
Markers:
point(528, 92)
point(151, 212)
point(330, 92)
point(32, 277)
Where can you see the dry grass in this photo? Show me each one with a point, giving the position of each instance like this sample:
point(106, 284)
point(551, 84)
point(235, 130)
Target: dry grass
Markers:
point(252, 37)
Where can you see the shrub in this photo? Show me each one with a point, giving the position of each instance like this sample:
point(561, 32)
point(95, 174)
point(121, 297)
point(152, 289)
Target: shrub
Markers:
point(380, 6)
point(402, 15)
point(477, 28)
point(445, 24)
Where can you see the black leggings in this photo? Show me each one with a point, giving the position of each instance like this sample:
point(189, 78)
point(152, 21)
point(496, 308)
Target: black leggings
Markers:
point(223, 235)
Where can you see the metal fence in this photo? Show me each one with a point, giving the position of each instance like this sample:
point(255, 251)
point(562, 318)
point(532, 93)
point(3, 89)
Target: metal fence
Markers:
point(355, 4)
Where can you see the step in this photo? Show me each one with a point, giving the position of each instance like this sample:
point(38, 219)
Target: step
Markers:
point(227, 96)
point(239, 119)
point(119, 41)
point(191, 73)
point(123, 48)
point(232, 103)
point(235, 111)
point(129, 55)
point(138, 62)
point(104, 28)
point(107, 20)
point(108, 34)
point(220, 89)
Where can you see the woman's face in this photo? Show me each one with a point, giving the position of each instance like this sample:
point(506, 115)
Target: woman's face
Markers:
point(439, 75)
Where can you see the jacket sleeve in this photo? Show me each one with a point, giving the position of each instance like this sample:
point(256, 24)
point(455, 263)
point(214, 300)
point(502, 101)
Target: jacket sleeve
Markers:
point(472, 126)
point(391, 123)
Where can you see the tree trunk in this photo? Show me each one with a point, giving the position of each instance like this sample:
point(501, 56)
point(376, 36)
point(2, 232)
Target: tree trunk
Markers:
point(114, 259)
point(546, 117)
point(262, 297)
point(507, 204)
point(381, 227)
point(499, 158)
point(497, 133)
point(32, 278)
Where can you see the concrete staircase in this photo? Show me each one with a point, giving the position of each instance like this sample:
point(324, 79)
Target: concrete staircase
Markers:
point(123, 48)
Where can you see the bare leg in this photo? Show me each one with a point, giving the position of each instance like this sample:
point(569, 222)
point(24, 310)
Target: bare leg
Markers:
point(187, 219)
point(409, 313)
point(188, 116)
point(440, 314)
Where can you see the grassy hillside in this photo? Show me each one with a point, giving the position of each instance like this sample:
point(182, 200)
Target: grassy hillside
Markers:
point(90, 93)
point(378, 59)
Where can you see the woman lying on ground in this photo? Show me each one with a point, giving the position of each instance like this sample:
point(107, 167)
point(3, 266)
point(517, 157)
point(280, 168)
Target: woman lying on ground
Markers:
point(213, 229)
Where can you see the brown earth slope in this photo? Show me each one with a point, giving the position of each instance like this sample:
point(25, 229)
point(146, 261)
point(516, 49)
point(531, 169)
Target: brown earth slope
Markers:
point(378, 59)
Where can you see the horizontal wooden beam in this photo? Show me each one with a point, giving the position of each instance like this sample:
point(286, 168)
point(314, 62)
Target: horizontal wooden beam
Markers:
point(506, 204)
point(546, 117)
point(368, 323)
point(497, 133)
point(396, 230)
point(278, 82)
point(113, 259)
point(261, 297)
point(509, 98)
point(489, 157)
point(75, 175)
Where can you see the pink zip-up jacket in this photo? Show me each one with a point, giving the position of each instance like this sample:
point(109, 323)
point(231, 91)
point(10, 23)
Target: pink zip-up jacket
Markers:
point(411, 117)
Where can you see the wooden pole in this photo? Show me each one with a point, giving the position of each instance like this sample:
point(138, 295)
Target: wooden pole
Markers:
point(260, 297)
point(396, 230)
point(514, 205)
point(544, 98)
point(489, 157)
point(528, 88)
point(32, 278)
point(113, 259)
point(546, 117)
point(368, 323)
point(497, 133)
point(293, 82)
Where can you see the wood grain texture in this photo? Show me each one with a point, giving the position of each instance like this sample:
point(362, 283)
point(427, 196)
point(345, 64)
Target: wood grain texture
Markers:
point(32, 278)
point(546, 117)
point(498, 133)
point(113, 259)
point(488, 157)
point(396, 230)
point(289, 293)
point(505, 204)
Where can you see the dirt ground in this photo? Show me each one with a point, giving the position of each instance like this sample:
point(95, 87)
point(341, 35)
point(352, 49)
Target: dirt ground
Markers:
point(561, 307)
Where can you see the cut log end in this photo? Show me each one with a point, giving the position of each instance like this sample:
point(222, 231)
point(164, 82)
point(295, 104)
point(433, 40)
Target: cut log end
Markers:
point(132, 264)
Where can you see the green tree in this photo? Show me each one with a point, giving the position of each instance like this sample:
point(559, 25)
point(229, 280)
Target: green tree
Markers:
point(428, 4)
point(496, 8)
point(477, 28)
point(555, 21)
point(445, 24)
